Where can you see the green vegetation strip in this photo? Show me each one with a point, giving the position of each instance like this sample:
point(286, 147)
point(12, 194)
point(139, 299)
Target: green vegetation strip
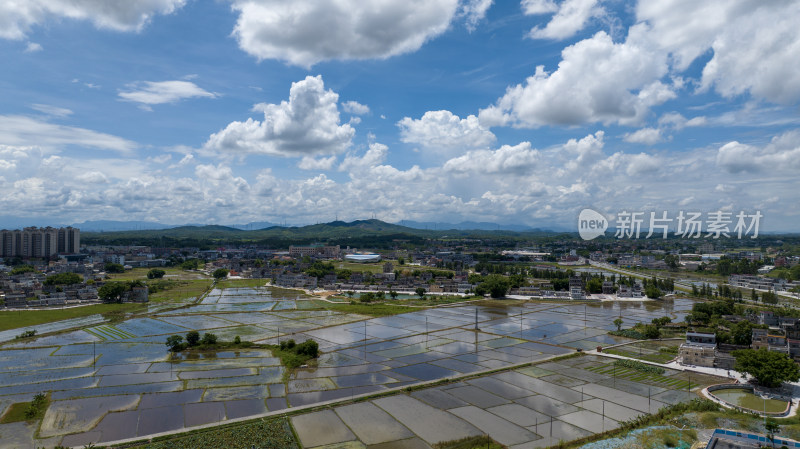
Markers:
point(635, 375)
point(478, 442)
point(112, 330)
point(96, 334)
point(661, 357)
point(27, 411)
point(109, 332)
point(29, 318)
point(261, 434)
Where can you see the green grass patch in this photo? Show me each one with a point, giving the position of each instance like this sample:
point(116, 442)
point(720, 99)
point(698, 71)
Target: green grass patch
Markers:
point(294, 355)
point(27, 411)
point(660, 357)
point(479, 442)
point(633, 374)
point(241, 283)
point(182, 289)
point(361, 267)
point(29, 318)
point(171, 273)
point(261, 434)
point(109, 332)
point(639, 366)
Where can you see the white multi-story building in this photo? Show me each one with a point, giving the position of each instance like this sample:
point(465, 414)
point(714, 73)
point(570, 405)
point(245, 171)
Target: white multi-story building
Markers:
point(34, 242)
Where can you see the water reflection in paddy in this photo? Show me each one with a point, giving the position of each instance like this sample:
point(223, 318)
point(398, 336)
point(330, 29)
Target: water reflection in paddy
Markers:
point(396, 351)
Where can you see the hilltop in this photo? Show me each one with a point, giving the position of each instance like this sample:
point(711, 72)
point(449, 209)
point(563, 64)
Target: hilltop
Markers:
point(370, 232)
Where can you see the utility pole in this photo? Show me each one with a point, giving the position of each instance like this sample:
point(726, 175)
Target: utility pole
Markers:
point(604, 415)
point(426, 331)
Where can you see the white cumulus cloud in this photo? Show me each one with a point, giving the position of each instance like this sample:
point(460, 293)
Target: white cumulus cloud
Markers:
point(307, 124)
point(782, 154)
point(646, 136)
point(536, 7)
point(516, 159)
point(354, 107)
point(445, 131)
point(305, 32)
point(597, 80)
point(18, 17)
point(474, 11)
point(310, 163)
point(755, 43)
point(571, 17)
point(374, 156)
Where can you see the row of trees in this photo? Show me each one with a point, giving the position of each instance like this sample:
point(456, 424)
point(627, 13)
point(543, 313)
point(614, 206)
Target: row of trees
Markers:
point(175, 343)
point(727, 266)
point(112, 292)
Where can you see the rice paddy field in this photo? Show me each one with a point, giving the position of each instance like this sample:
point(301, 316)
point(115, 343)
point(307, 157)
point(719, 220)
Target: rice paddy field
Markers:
point(115, 381)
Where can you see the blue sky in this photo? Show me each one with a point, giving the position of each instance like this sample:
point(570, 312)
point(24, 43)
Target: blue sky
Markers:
point(232, 111)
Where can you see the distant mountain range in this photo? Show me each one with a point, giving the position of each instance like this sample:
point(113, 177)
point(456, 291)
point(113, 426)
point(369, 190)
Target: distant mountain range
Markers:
point(466, 226)
point(9, 222)
point(357, 233)
point(111, 226)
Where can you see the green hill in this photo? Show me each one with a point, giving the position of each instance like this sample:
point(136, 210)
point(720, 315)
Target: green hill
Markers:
point(359, 233)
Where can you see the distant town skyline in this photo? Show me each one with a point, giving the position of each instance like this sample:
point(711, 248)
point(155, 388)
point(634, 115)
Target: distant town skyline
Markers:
point(517, 113)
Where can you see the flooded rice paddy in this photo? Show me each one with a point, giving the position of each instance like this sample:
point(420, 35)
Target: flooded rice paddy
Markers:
point(115, 381)
point(746, 399)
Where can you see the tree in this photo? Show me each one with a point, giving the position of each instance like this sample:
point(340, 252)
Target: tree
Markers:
point(595, 285)
point(191, 264)
point(114, 268)
point(63, 279)
point(742, 333)
point(769, 297)
point(393, 294)
point(175, 343)
point(650, 331)
point(308, 348)
point(401, 261)
point(661, 321)
point(220, 273)
point(618, 322)
point(420, 291)
point(672, 261)
point(112, 291)
point(494, 284)
point(772, 427)
point(209, 339)
point(156, 273)
point(652, 291)
point(770, 368)
point(22, 269)
point(192, 338)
